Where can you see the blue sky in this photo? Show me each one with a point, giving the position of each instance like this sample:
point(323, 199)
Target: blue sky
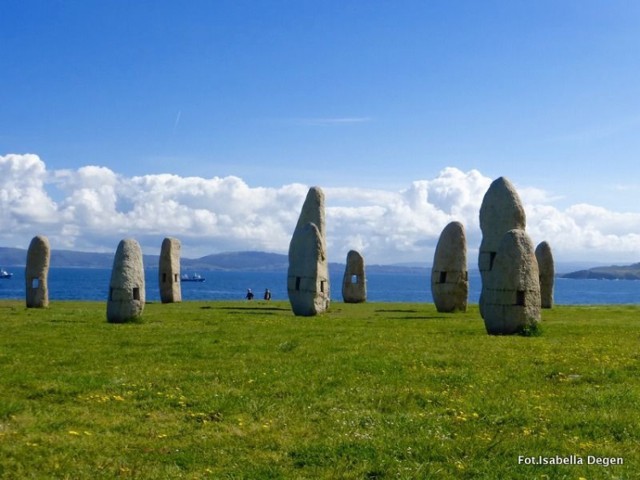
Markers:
point(357, 94)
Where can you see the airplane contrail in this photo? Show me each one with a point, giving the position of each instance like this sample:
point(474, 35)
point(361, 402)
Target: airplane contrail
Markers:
point(175, 124)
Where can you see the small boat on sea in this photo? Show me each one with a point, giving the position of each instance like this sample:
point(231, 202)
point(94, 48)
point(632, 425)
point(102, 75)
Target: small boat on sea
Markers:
point(5, 274)
point(192, 278)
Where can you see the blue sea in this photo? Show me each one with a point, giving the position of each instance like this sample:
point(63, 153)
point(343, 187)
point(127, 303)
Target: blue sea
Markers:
point(93, 284)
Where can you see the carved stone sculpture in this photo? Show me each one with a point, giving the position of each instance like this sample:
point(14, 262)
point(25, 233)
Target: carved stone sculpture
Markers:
point(126, 288)
point(512, 290)
point(501, 211)
point(312, 210)
point(37, 272)
point(169, 271)
point(449, 274)
point(354, 282)
point(547, 274)
point(308, 273)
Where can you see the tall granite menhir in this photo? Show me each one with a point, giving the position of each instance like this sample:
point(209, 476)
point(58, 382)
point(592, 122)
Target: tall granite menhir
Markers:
point(126, 288)
point(501, 211)
point(169, 271)
point(511, 290)
point(547, 273)
point(354, 282)
point(308, 273)
point(449, 274)
point(36, 273)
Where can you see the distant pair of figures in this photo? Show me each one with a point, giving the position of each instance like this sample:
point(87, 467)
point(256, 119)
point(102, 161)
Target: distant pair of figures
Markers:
point(250, 295)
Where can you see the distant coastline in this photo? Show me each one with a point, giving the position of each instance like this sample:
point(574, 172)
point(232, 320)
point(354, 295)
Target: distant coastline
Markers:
point(613, 272)
point(255, 261)
point(229, 261)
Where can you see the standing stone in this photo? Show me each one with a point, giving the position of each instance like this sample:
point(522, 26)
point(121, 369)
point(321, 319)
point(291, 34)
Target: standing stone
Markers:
point(313, 211)
point(37, 272)
point(169, 271)
point(354, 282)
point(512, 291)
point(501, 211)
point(547, 274)
point(449, 274)
point(308, 273)
point(126, 288)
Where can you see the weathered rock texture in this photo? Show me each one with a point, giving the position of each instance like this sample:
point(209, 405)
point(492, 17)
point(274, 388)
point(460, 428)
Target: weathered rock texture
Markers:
point(547, 274)
point(501, 211)
point(169, 271)
point(354, 282)
point(308, 273)
point(126, 288)
point(449, 274)
point(37, 272)
point(313, 210)
point(512, 290)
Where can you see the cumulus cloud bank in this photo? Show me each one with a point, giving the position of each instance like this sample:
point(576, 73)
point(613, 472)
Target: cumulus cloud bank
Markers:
point(93, 207)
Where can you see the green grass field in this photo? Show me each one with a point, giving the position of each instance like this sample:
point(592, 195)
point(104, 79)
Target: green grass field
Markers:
point(371, 391)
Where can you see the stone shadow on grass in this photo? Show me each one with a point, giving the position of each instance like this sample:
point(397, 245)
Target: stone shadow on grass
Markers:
point(418, 315)
point(245, 309)
point(397, 310)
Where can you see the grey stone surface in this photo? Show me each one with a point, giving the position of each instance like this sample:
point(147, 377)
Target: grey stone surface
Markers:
point(312, 211)
point(126, 288)
point(36, 272)
point(501, 211)
point(308, 273)
point(449, 274)
point(354, 281)
point(512, 290)
point(169, 271)
point(546, 268)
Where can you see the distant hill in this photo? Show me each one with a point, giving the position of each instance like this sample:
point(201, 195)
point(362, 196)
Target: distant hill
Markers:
point(614, 272)
point(265, 261)
point(232, 261)
point(12, 257)
point(16, 257)
point(237, 261)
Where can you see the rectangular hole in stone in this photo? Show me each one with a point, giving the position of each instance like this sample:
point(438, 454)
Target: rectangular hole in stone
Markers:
point(164, 278)
point(35, 283)
point(520, 298)
point(321, 286)
point(297, 284)
point(443, 277)
point(492, 257)
point(354, 278)
point(136, 293)
point(175, 278)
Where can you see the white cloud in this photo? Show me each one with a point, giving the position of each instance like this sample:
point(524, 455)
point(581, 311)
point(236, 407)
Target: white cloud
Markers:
point(587, 232)
point(405, 225)
point(23, 199)
point(96, 207)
